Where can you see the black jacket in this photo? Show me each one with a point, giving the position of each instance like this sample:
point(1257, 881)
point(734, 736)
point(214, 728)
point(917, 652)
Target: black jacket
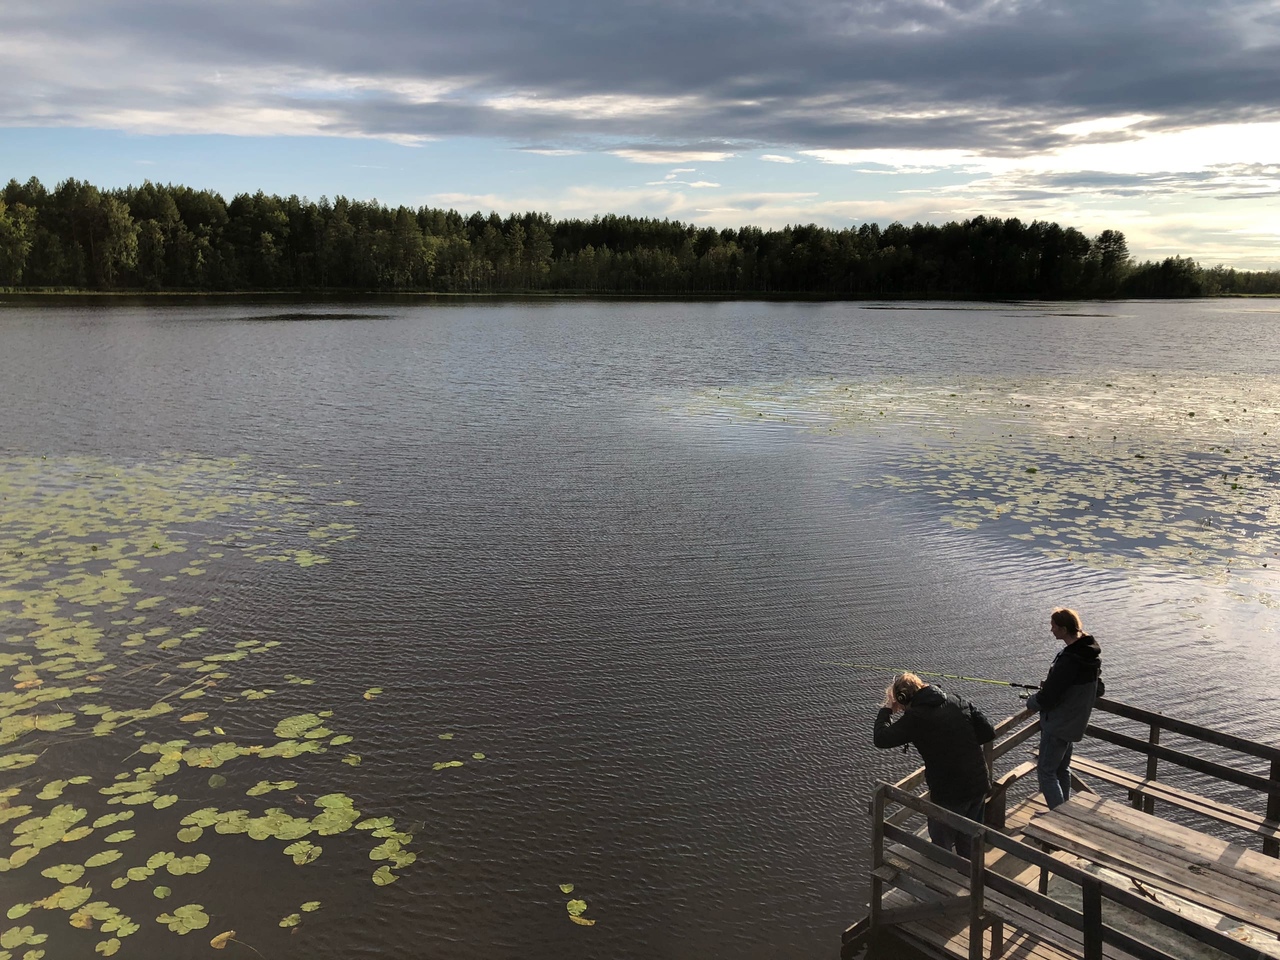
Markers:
point(1065, 699)
point(949, 732)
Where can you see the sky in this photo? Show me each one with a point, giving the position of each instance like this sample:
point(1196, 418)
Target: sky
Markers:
point(1159, 118)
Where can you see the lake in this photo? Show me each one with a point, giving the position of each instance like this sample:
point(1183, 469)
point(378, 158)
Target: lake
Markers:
point(491, 629)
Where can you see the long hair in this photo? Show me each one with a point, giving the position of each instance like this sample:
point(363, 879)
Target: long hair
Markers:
point(1064, 618)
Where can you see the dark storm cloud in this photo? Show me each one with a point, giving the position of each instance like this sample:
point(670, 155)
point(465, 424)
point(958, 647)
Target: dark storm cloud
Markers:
point(994, 77)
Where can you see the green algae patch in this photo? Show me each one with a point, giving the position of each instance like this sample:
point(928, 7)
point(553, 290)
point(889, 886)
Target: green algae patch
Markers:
point(115, 660)
point(1108, 471)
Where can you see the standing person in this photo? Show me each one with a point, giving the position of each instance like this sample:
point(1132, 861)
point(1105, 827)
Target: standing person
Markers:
point(1064, 701)
point(949, 732)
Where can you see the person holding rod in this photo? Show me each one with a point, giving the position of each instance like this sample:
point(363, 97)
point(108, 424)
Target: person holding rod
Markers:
point(1064, 702)
point(949, 732)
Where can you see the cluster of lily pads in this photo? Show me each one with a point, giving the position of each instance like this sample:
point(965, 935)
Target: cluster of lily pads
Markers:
point(576, 907)
point(117, 693)
point(1166, 471)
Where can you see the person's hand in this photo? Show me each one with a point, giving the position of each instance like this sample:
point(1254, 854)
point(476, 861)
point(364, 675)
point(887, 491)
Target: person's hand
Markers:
point(891, 704)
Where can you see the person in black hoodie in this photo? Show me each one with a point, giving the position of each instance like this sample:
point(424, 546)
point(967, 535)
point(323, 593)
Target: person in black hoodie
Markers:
point(1064, 701)
point(949, 732)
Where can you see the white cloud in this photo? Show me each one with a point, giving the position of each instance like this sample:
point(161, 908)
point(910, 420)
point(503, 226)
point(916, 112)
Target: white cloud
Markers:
point(671, 156)
point(778, 158)
point(595, 107)
point(904, 160)
point(1086, 128)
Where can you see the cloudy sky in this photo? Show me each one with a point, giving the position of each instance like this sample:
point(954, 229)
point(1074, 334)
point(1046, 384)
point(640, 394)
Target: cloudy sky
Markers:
point(1160, 118)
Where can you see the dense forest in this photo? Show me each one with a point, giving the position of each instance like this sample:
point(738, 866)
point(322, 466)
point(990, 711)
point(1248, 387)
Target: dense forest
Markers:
point(158, 238)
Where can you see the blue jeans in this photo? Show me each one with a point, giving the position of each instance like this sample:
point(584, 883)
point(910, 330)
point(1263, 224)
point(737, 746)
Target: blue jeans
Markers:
point(1053, 769)
point(947, 838)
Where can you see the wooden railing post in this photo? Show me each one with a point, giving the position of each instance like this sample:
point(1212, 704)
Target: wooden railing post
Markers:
point(1091, 890)
point(1148, 804)
point(977, 865)
point(1271, 846)
point(877, 854)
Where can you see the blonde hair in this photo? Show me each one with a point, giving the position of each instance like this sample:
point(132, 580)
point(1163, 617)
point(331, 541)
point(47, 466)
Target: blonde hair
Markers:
point(1064, 618)
point(905, 686)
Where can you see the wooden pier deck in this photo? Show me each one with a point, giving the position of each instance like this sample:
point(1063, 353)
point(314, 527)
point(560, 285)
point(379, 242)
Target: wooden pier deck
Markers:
point(1102, 876)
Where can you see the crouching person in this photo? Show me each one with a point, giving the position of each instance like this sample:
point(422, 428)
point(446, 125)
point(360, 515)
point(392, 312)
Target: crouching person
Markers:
point(949, 732)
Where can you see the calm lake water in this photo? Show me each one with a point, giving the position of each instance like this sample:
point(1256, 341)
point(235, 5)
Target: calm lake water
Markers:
point(566, 574)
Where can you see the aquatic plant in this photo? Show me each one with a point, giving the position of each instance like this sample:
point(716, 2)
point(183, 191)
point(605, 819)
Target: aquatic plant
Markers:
point(1175, 472)
point(110, 667)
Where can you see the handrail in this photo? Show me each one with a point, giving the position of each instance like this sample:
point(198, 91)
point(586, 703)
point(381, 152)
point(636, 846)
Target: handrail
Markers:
point(1094, 890)
point(1268, 786)
point(1219, 771)
point(1251, 747)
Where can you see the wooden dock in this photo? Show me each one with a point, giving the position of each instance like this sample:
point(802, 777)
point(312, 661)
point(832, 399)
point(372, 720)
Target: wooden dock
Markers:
point(1109, 874)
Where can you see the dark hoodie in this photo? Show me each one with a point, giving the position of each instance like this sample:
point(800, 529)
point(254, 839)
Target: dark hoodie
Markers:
point(949, 732)
point(1066, 697)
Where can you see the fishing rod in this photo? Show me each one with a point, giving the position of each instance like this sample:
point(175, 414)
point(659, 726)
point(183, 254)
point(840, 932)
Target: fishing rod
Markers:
point(929, 673)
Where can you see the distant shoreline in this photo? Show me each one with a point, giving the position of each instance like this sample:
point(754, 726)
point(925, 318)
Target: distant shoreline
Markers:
point(10, 295)
point(169, 239)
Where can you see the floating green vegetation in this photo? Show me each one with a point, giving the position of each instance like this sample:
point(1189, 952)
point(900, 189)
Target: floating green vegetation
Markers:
point(576, 909)
point(106, 664)
point(1176, 472)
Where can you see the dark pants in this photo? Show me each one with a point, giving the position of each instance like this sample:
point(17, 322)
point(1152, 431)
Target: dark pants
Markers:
point(949, 839)
point(1053, 769)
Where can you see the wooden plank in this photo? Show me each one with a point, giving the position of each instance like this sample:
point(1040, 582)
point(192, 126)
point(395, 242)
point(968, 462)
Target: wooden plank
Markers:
point(1272, 847)
point(1018, 945)
point(1224, 858)
point(1125, 898)
point(976, 870)
point(1101, 846)
point(877, 854)
point(1061, 925)
point(1046, 919)
point(1021, 897)
point(856, 931)
point(1092, 925)
point(1230, 896)
point(897, 916)
point(1213, 809)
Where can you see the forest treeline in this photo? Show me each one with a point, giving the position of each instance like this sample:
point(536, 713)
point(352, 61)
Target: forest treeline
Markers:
point(167, 237)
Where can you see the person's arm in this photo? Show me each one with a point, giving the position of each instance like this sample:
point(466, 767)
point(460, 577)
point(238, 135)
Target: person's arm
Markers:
point(1061, 675)
point(982, 727)
point(886, 734)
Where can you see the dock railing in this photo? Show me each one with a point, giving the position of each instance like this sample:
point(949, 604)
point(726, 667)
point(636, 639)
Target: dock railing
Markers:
point(991, 896)
point(992, 899)
point(1143, 795)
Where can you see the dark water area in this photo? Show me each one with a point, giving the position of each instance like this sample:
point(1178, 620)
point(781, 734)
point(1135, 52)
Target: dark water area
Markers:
point(573, 556)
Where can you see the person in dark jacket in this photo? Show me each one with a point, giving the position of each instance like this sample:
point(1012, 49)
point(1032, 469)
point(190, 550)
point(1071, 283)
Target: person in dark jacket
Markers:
point(949, 732)
point(1064, 701)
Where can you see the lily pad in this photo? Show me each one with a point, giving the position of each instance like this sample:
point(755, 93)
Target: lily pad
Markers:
point(303, 851)
point(64, 872)
point(184, 919)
